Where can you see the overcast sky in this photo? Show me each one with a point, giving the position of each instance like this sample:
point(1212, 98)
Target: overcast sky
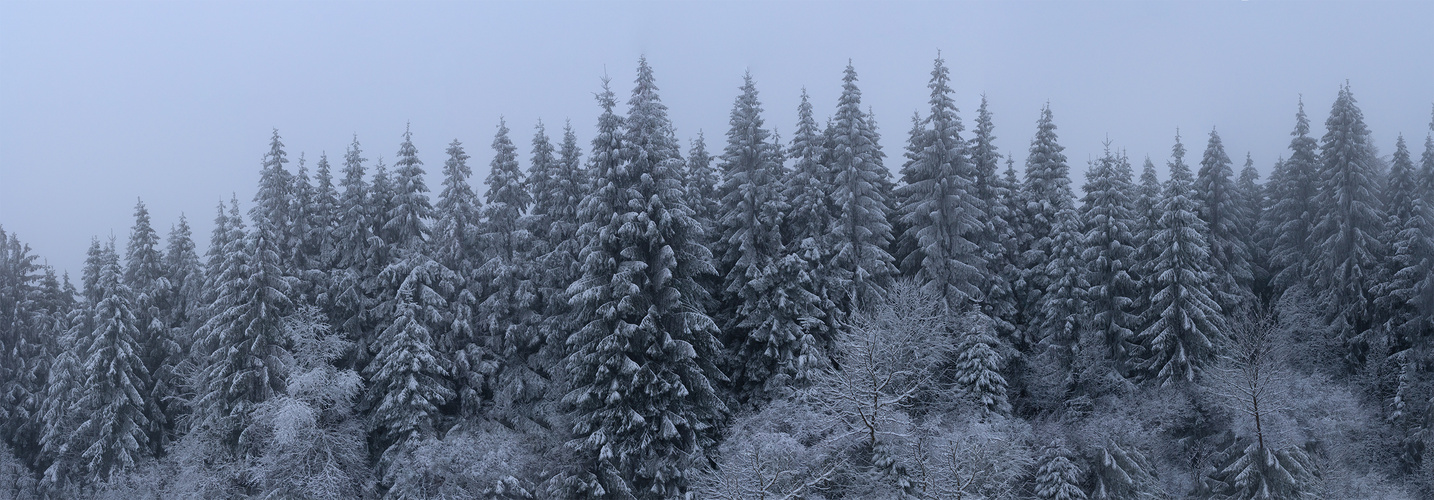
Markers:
point(103, 103)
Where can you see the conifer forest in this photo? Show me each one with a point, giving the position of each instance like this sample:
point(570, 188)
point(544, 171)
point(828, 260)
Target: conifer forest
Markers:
point(617, 312)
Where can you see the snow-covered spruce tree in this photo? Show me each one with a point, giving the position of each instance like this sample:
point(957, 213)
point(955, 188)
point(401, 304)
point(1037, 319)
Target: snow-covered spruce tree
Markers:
point(506, 314)
point(1290, 220)
point(113, 400)
point(1147, 213)
point(765, 293)
point(26, 347)
point(324, 217)
point(1108, 251)
point(185, 273)
point(1057, 475)
point(1061, 314)
point(997, 241)
point(702, 181)
point(355, 251)
point(242, 348)
point(152, 302)
point(304, 258)
point(1046, 191)
point(979, 360)
point(940, 205)
point(1405, 298)
point(555, 220)
point(810, 221)
point(273, 211)
point(457, 246)
point(862, 230)
point(1350, 217)
point(1220, 208)
point(408, 376)
point(642, 364)
point(1251, 197)
point(1185, 321)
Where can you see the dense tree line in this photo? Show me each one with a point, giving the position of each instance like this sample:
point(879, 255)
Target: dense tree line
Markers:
point(781, 320)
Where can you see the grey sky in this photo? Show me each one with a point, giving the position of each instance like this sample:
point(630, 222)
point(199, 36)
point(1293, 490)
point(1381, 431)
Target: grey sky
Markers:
point(101, 103)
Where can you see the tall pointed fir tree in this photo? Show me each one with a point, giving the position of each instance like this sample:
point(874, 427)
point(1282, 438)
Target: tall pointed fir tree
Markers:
point(1185, 320)
point(114, 399)
point(1250, 196)
point(243, 345)
point(1047, 192)
point(1290, 221)
point(555, 210)
point(1405, 297)
point(1220, 208)
point(1108, 251)
point(1061, 312)
point(940, 205)
point(997, 242)
point(354, 244)
point(1147, 214)
point(642, 364)
point(809, 222)
point(702, 180)
point(765, 291)
point(506, 314)
point(25, 347)
point(862, 231)
point(1345, 238)
point(185, 273)
point(457, 246)
point(1057, 477)
point(325, 218)
point(274, 204)
point(408, 376)
point(152, 302)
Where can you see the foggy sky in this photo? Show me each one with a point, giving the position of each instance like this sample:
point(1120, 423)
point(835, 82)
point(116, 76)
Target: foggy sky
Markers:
point(104, 103)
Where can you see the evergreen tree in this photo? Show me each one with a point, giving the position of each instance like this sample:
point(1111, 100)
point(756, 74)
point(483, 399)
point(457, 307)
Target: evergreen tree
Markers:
point(764, 299)
point(556, 221)
point(1061, 314)
point(408, 375)
point(1291, 219)
point(1108, 251)
point(862, 229)
point(1057, 476)
point(997, 240)
point(354, 247)
point(26, 346)
point(810, 221)
point(186, 281)
point(1047, 192)
point(325, 215)
point(1405, 295)
point(1345, 239)
point(941, 206)
point(1251, 197)
point(152, 302)
point(978, 365)
point(113, 400)
point(641, 364)
point(702, 181)
point(507, 310)
point(1185, 321)
point(457, 245)
point(242, 346)
point(273, 212)
point(1220, 208)
point(1148, 214)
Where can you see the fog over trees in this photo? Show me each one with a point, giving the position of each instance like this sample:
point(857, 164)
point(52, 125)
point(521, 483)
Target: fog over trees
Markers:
point(755, 317)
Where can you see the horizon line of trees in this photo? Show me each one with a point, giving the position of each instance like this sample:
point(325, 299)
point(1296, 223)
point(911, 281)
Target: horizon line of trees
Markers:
point(786, 319)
